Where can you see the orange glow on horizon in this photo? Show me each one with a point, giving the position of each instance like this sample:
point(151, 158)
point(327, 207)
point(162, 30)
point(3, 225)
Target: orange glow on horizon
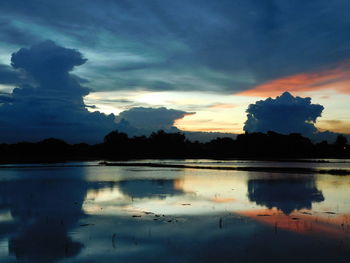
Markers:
point(337, 79)
point(212, 130)
point(207, 126)
point(335, 126)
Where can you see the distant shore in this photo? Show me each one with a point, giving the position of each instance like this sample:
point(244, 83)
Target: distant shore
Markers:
point(267, 169)
point(300, 170)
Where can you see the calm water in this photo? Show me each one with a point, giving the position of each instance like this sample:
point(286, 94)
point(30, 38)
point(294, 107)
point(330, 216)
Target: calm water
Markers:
point(125, 214)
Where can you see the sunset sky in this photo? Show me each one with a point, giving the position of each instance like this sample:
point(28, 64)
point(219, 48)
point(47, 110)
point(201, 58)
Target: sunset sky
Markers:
point(207, 59)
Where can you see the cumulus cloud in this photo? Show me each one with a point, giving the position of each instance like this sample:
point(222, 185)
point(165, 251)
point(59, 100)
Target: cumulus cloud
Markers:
point(49, 102)
point(143, 121)
point(284, 114)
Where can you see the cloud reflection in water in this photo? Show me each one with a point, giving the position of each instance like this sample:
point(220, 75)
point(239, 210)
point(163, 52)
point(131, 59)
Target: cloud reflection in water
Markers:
point(101, 214)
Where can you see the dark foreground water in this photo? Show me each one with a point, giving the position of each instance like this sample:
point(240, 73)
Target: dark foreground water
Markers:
point(124, 214)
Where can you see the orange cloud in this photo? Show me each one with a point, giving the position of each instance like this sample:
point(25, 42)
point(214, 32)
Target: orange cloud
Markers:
point(336, 79)
point(206, 125)
point(221, 106)
point(223, 200)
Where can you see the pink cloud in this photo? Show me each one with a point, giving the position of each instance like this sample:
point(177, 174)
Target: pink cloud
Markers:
point(337, 79)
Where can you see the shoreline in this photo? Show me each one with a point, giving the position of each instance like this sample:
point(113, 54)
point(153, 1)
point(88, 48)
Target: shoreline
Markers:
point(267, 169)
point(340, 172)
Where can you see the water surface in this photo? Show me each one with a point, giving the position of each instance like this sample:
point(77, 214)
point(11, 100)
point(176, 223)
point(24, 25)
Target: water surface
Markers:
point(139, 214)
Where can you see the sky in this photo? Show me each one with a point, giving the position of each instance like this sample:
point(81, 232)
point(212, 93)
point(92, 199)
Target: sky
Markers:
point(78, 69)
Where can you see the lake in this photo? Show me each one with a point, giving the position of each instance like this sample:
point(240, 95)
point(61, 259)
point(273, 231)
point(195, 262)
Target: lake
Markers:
point(86, 213)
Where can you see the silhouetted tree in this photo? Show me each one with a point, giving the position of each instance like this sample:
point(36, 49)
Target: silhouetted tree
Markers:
point(167, 144)
point(221, 147)
point(341, 141)
point(116, 144)
point(340, 145)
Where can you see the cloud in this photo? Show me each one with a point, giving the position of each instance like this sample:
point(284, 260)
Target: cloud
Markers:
point(8, 76)
point(139, 121)
point(143, 121)
point(284, 114)
point(5, 97)
point(50, 65)
point(337, 79)
point(221, 106)
point(11, 33)
point(227, 46)
point(51, 103)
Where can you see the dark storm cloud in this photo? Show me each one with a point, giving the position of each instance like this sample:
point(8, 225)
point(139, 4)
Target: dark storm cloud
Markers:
point(5, 97)
point(143, 121)
point(50, 65)
point(284, 114)
point(224, 46)
point(139, 121)
point(8, 76)
point(52, 104)
point(48, 101)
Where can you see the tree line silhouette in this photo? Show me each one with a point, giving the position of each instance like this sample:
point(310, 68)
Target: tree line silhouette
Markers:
point(118, 146)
